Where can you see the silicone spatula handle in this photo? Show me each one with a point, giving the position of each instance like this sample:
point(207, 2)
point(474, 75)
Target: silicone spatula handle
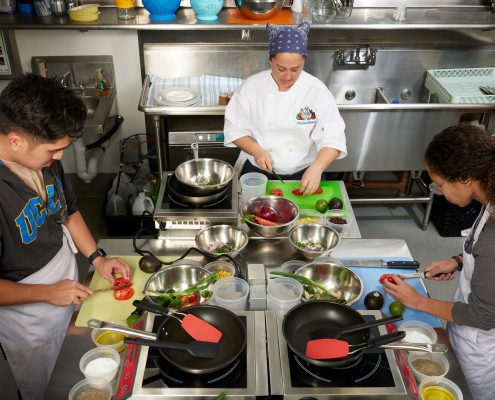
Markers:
point(385, 339)
point(366, 325)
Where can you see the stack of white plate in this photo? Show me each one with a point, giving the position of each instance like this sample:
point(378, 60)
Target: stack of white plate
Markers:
point(177, 97)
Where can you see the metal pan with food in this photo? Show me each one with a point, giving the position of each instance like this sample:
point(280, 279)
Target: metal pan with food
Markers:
point(306, 318)
point(230, 346)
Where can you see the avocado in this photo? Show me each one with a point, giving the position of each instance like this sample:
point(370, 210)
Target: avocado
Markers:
point(335, 203)
point(373, 300)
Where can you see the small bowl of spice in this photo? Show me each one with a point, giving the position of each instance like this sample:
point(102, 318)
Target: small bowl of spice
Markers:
point(426, 365)
point(338, 219)
point(101, 362)
point(224, 269)
point(104, 338)
point(91, 389)
point(418, 332)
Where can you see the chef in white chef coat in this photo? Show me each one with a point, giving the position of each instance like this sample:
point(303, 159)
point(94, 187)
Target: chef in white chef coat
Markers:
point(284, 119)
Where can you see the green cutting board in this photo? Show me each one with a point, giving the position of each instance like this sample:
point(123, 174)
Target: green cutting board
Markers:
point(330, 189)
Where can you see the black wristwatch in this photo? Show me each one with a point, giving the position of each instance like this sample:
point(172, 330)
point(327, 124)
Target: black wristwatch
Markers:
point(96, 254)
point(459, 262)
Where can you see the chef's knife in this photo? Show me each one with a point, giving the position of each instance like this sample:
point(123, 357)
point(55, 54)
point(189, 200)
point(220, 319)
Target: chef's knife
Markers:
point(126, 285)
point(381, 263)
point(277, 176)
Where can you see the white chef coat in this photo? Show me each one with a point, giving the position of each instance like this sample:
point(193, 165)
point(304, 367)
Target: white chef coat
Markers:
point(474, 348)
point(293, 125)
point(32, 334)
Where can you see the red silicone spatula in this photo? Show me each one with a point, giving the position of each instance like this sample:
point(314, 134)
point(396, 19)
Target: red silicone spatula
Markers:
point(322, 349)
point(198, 328)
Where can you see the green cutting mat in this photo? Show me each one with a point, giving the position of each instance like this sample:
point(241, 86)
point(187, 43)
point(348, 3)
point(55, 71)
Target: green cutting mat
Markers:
point(330, 189)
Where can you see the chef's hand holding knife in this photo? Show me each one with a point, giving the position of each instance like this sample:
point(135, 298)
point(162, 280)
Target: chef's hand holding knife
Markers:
point(263, 159)
point(441, 270)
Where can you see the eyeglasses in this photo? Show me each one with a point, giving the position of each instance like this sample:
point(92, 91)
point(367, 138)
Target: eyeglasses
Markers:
point(435, 188)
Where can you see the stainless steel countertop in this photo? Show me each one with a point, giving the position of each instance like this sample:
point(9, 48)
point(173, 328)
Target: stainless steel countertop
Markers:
point(271, 252)
point(459, 17)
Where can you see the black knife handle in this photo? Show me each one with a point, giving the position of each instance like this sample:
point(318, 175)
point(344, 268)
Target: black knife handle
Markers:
point(386, 339)
point(403, 264)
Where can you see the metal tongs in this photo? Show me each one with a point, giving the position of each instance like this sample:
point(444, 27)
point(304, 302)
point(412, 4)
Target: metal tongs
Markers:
point(487, 90)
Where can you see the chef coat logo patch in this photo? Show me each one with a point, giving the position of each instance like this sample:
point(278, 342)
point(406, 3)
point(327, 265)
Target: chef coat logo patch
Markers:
point(306, 116)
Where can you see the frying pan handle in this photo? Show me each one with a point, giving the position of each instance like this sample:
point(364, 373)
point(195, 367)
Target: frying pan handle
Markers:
point(371, 324)
point(147, 306)
point(385, 339)
point(156, 343)
point(110, 326)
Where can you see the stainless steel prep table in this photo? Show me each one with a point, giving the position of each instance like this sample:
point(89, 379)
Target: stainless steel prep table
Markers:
point(270, 252)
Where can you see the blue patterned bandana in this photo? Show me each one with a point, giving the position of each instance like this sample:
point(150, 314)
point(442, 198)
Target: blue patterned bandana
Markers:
point(287, 39)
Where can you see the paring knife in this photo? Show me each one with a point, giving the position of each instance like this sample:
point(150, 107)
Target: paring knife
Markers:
point(113, 288)
point(381, 263)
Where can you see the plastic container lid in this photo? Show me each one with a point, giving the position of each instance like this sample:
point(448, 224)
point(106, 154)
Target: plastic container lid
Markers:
point(292, 265)
point(283, 293)
point(231, 293)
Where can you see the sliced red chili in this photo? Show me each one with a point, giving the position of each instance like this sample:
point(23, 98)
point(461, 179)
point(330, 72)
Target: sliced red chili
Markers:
point(319, 190)
point(123, 294)
point(297, 192)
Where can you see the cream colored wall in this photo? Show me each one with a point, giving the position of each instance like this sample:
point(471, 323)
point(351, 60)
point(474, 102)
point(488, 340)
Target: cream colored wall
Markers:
point(122, 45)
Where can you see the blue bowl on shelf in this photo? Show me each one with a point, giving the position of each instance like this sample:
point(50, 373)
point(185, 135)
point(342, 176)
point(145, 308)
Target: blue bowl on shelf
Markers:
point(207, 10)
point(161, 10)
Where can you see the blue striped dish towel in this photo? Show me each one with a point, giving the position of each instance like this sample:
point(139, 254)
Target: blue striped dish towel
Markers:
point(208, 87)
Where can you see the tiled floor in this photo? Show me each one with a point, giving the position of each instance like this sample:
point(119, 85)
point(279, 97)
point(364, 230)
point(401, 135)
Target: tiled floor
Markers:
point(374, 222)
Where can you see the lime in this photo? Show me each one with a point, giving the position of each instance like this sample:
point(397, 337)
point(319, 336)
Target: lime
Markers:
point(396, 308)
point(321, 205)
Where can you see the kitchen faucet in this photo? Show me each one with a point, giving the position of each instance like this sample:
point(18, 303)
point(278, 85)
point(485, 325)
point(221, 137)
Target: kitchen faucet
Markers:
point(354, 57)
point(71, 83)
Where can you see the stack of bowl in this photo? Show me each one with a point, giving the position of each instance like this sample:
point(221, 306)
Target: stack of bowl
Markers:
point(85, 13)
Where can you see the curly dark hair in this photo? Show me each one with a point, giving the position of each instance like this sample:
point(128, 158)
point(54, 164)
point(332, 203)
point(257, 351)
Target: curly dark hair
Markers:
point(41, 108)
point(462, 152)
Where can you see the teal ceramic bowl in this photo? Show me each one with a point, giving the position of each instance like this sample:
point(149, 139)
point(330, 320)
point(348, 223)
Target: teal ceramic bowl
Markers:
point(161, 10)
point(207, 10)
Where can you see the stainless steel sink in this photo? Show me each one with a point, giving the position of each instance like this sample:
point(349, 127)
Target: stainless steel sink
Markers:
point(98, 108)
point(91, 104)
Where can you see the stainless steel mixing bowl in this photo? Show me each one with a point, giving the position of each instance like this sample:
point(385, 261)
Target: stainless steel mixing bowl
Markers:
point(225, 234)
point(259, 9)
point(205, 175)
point(286, 210)
point(318, 234)
point(334, 277)
point(176, 277)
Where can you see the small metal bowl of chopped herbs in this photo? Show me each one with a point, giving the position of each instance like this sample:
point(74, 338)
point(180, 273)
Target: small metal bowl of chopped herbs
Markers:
point(327, 281)
point(313, 240)
point(221, 239)
point(180, 285)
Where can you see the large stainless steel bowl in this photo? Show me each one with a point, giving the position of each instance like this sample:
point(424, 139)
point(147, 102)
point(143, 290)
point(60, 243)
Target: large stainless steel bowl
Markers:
point(335, 277)
point(286, 210)
point(259, 9)
point(322, 235)
point(226, 234)
point(175, 277)
point(205, 175)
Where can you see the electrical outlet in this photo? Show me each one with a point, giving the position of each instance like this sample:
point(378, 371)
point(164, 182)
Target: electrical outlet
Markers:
point(131, 152)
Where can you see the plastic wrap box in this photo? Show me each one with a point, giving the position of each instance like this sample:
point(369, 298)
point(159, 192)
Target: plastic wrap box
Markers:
point(450, 219)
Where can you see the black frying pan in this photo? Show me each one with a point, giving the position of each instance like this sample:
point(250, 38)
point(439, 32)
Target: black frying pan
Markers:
point(311, 316)
point(231, 344)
